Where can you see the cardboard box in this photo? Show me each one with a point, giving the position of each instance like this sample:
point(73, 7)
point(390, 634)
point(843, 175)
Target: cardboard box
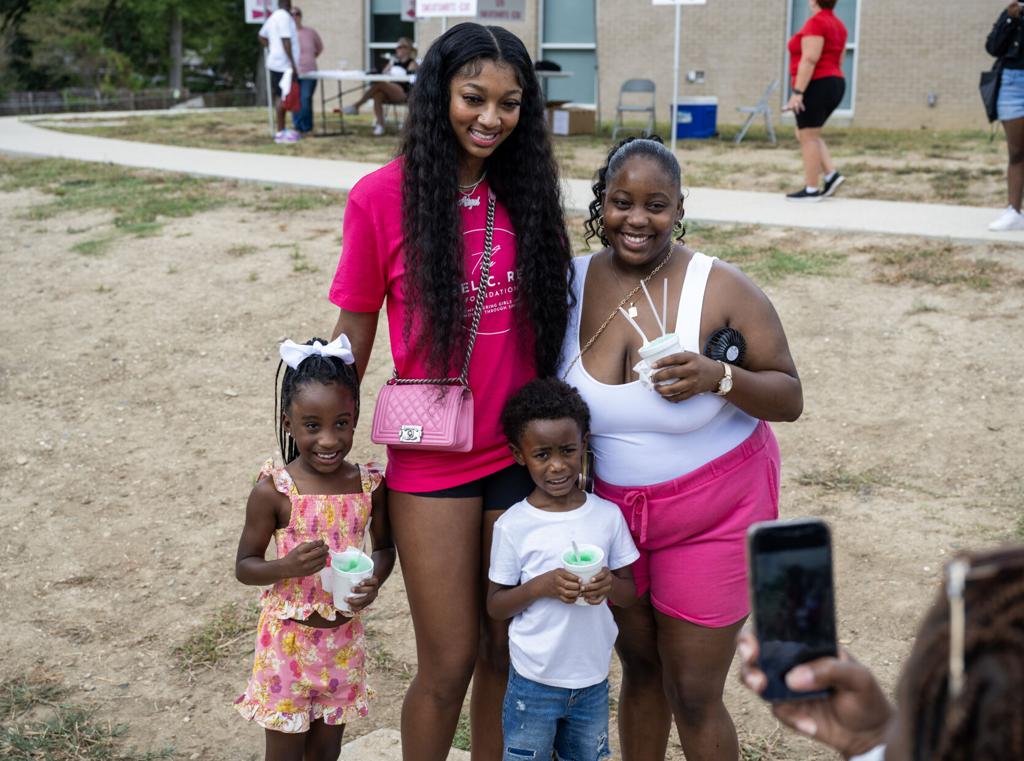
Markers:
point(571, 120)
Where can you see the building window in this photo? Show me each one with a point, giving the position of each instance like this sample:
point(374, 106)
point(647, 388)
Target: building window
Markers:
point(385, 26)
point(848, 11)
point(568, 37)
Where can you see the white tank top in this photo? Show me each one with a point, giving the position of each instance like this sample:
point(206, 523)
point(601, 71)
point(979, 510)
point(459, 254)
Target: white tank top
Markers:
point(638, 438)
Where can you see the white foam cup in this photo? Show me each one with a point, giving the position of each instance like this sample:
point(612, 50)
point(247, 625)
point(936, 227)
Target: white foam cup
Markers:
point(659, 348)
point(586, 569)
point(347, 570)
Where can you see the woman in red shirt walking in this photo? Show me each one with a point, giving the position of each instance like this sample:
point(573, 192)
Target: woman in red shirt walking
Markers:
point(816, 55)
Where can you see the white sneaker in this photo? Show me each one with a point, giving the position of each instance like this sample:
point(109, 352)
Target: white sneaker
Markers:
point(1011, 219)
point(378, 130)
point(281, 137)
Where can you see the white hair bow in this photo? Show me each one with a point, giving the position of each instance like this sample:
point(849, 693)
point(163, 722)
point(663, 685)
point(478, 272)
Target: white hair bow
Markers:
point(292, 354)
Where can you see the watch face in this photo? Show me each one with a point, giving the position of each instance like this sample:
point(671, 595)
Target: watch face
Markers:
point(725, 385)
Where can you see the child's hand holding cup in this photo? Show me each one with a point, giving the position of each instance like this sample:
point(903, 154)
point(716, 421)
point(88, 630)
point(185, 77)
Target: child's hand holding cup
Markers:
point(585, 561)
point(349, 574)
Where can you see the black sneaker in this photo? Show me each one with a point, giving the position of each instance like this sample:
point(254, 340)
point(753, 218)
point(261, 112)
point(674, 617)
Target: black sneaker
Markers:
point(805, 195)
point(831, 186)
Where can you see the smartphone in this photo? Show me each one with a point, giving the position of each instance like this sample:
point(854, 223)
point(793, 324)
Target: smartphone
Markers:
point(792, 598)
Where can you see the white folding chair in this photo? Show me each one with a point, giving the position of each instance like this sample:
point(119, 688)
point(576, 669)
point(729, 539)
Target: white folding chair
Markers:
point(628, 105)
point(762, 107)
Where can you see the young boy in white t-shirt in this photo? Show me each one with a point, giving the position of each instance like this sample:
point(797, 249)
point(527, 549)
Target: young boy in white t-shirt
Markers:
point(557, 697)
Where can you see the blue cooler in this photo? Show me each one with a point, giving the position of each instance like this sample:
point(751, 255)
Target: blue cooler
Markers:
point(696, 117)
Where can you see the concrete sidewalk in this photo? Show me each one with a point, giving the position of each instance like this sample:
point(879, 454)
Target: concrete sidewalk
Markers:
point(703, 204)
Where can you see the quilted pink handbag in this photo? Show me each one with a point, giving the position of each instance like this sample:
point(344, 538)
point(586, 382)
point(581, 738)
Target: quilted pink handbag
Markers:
point(437, 414)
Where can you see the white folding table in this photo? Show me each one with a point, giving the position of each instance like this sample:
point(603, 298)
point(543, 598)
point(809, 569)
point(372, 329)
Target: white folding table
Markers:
point(340, 76)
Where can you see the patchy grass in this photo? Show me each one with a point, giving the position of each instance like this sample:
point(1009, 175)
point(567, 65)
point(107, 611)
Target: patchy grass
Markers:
point(211, 643)
point(241, 249)
point(744, 246)
point(56, 731)
point(1019, 527)
point(94, 246)
point(839, 479)
point(760, 748)
point(921, 307)
point(908, 165)
point(940, 263)
point(280, 200)
point(139, 201)
point(463, 737)
point(299, 261)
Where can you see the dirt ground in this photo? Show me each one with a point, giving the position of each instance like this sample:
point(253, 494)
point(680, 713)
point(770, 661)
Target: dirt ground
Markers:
point(137, 390)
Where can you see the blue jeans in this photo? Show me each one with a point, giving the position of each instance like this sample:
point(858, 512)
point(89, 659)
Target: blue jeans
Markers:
point(303, 120)
point(537, 719)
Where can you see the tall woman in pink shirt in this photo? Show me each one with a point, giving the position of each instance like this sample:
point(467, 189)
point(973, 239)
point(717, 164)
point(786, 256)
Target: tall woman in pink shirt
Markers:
point(414, 238)
point(816, 66)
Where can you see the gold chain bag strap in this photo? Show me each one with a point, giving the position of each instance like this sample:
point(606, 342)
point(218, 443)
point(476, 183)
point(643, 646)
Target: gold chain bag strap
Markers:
point(434, 414)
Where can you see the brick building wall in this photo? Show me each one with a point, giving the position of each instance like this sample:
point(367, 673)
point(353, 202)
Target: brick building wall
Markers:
point(907, 50)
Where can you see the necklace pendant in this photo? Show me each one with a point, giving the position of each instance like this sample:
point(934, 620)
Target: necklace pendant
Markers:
point(632, 311)
point(468, 202)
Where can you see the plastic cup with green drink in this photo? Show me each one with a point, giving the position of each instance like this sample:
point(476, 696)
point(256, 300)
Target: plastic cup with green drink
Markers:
point(585, 561)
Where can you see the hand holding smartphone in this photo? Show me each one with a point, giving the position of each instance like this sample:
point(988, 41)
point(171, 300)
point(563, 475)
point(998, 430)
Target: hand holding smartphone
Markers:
point(792, 598)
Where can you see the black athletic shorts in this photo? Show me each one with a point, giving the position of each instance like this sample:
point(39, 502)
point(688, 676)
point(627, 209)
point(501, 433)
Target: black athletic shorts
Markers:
point(275, 83)
point(499, 490)
point(821, 98)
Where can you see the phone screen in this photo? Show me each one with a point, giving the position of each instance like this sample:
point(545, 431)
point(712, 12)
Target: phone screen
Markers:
point(793, 599)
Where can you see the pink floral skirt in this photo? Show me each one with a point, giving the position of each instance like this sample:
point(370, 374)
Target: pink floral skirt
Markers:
point(303, 673)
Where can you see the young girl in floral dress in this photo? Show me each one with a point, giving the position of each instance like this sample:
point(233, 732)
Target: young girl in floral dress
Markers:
point(308, 677)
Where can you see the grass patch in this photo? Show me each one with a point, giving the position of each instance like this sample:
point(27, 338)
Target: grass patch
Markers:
point(760, 748)
point(94, 246)
point(839, 479)
point(299, 261)
point(921, 307)
point(1019, 527)
point(210, 643)
point(57, 731)
point(241, 250)
point(278, 200)
point(940, 264)
point(771, 264)
point(139, 200)
point(463, 737)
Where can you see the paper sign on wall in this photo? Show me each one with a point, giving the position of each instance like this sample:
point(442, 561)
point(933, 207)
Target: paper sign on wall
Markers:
point(436, 8)
point(258, 11)
point(408, 10)
point(501, 10)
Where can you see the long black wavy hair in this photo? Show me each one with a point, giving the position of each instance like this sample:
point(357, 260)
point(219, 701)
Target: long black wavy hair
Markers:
point(651, 147)
point(524, 177)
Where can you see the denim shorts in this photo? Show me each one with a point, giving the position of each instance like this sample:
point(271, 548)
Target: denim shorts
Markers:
point(1010, 104)
point(537, 719)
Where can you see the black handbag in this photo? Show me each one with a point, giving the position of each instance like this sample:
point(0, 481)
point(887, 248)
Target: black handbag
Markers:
point(989, 89)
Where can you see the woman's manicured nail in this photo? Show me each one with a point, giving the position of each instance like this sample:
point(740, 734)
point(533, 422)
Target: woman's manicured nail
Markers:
point(807, 726)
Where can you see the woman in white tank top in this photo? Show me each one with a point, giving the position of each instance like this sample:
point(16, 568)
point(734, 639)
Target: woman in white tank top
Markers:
point(690, 461)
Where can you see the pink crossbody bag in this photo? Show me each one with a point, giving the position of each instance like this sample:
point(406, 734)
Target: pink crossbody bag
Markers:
point(434, 414)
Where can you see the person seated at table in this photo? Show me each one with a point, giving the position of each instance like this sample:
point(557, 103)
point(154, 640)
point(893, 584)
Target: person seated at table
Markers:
point(382, 93)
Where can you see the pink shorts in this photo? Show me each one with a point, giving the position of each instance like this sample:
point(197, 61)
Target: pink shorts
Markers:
point(302, 673)
point(691, 531)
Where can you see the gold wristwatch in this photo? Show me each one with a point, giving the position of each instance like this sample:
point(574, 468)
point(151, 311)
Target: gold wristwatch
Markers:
point(725, 385)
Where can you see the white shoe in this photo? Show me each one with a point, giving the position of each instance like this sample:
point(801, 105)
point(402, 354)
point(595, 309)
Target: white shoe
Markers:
point(378, 130)
point(1011, 219)
point(350, 110)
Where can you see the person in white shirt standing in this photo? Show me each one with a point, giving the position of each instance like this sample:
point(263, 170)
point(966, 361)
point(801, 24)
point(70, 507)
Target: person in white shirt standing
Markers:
point(560, 648)
point(281, 39)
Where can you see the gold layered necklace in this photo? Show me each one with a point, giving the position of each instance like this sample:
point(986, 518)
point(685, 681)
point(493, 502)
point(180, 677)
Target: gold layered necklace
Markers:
point(629, 297)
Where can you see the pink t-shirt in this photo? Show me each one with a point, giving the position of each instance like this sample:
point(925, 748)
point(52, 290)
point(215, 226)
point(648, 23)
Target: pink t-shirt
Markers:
point(372, 269)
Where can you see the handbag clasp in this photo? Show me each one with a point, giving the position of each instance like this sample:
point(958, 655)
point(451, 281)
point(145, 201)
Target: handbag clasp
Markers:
point(410, 434)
